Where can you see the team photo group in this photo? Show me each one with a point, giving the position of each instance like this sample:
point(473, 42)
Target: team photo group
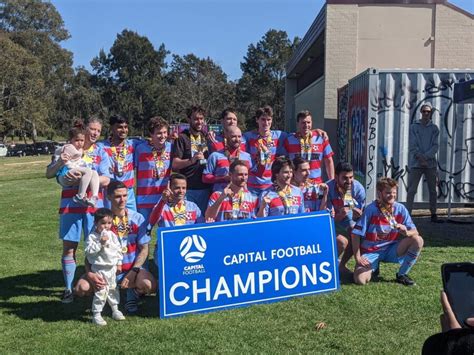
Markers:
point(116, 190)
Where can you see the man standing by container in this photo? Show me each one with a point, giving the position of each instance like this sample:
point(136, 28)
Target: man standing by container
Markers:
point(423, 145)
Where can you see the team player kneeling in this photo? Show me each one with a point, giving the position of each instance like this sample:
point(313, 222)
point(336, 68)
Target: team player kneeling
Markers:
point(201, 177)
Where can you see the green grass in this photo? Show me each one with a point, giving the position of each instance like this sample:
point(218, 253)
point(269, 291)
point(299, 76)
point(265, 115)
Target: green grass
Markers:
point(382, 317)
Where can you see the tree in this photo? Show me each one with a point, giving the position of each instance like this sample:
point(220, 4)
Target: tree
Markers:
point(21, 88)
point(38, 28)
point(130, 77)
point(262, 81)
point(196, 81)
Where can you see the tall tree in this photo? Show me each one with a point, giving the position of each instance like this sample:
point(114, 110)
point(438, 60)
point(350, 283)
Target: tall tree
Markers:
point(130, 77)
point(21, 88)
point(196, 81)
point(38, 27)
point(263, 78)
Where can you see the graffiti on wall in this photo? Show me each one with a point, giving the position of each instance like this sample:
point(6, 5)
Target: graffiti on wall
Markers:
point(342, 122)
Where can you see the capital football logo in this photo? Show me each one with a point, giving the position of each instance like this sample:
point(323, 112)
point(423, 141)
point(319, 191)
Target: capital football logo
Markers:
point(192, 248)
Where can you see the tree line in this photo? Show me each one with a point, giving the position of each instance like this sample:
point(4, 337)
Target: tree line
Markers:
point(42, 93)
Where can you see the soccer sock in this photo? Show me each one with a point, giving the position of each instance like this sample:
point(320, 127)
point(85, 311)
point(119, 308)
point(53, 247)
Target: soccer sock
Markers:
point(69, 269)
point(408, 261)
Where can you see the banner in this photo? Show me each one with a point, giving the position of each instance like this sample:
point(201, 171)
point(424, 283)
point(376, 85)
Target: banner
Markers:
point(210, 267)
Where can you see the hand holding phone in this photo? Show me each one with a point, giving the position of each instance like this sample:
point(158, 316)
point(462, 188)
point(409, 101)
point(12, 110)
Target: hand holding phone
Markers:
point(458, 284)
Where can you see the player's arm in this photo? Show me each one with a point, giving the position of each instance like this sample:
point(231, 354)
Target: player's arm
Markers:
point(360, 260)
point(329, 165)
point(213, 210)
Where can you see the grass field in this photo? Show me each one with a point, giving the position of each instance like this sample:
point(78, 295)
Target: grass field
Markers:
point(382, 317)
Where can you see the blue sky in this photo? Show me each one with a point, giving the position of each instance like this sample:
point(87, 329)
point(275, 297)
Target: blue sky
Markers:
point(220, 29)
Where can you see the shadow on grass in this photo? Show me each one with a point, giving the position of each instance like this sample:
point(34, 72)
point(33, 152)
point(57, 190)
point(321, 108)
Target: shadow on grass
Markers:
point(446, 234)
point(24, 296)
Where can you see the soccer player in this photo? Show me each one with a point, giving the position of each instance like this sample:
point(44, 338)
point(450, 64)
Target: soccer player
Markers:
point(174, 209)
point(346, 197)
point(74, 218)
point(235, 201)
point(385, 233)
point(282, 198)
point(130, 227)
point(217, 168)
point(153, 164)
point(190, 153)
point(121, 151)
point(312, 146)
point(218, 142)
point(264, 145)
point(315, 195)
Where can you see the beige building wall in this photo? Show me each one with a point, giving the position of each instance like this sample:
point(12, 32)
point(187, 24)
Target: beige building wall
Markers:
point(454, 39)
point(312, 99)
point(395, 37)
point(341, 53)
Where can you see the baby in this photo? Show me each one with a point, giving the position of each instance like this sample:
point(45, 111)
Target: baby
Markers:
point(104, 253)
point(73, 152)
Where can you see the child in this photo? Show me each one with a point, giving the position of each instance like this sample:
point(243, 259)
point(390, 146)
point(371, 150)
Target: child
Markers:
point(105, 252)
point(73, 153)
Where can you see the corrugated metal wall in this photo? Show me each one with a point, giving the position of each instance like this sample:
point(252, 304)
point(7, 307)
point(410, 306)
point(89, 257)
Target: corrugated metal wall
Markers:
point(381, 107)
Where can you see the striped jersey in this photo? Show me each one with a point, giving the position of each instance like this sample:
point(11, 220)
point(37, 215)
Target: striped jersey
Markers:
point(242, 206)
point(96, 159)
point(218, 165)
point(122, 162)
point(314, 149)
point(291, 203)
point(336, 199)
point(263, 151)
point(153, 172)
point(131, 231)
point(219, 143)
point(311, 195)
point(376, 230)
point(183, 213)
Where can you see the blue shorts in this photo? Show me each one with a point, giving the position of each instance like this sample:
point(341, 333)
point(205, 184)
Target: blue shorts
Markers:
point(387, 255)
point(72, 225)
point(131, 202)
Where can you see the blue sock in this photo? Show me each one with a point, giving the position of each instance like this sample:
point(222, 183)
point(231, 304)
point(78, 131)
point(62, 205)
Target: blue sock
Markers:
point(69, 269)
point(408, 261)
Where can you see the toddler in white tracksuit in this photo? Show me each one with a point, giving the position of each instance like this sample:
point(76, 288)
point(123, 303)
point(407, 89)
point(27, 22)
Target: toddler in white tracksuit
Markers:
point(104, 253)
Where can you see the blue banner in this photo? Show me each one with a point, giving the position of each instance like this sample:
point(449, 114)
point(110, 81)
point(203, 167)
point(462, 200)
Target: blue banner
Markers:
point(210, 267)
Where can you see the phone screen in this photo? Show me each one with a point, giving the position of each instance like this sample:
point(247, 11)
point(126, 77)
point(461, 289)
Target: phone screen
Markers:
point(458, 280)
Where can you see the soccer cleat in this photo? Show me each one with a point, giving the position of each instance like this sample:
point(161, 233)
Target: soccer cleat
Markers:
point(405, 280)
point(376, 273)
point(97, 319)
point(67, 296)
point(117, 315)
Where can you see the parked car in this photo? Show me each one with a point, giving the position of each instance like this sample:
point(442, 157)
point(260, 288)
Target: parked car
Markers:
point(21, 150)
point(3, 150)
point(46, 147)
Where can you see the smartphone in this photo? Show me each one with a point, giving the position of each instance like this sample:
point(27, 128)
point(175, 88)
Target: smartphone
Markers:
point(458, 283)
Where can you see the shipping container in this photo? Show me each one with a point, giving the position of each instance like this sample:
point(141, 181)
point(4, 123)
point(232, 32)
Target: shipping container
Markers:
point(375, 111)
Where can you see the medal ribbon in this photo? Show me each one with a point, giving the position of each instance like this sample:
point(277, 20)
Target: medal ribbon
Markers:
point(179, 213)
point(236, 203)
point(198, 144)
point(119, 154)
point(347, 198)
point(388, 215)
point(121, 228)
point(305, 146)
point(159, 157)
point(263, 148)
point(286, 198)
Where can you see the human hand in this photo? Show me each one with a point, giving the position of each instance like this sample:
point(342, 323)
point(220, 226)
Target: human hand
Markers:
point(362, 261)
point(103, 239)
point(119, 269)
point(340, 214)
point(210, 220)
point(211, 135)
point(323, 188)
point(65, 157)
point(128, 280)
point(96, 280)
point(228, 191)
point(356, 213)
point(266, 200)
point(322, 133)
point(167, 193)
point(196, 157)
point(73, 176)
point(448, 319)
point(402, 229)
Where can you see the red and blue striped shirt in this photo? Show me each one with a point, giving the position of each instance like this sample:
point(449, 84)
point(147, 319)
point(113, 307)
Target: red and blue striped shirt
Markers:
point(247, 206)
point(218, 166)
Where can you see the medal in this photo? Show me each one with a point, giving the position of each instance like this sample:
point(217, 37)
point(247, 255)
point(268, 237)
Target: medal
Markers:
point(179, 213)
point(263, 147)
point(305, 146)
point(119, 156)
point(286, 198)
point(236, 204)
point(121, 228)
point(388, 216)
point(348, 200)
point(159, 158)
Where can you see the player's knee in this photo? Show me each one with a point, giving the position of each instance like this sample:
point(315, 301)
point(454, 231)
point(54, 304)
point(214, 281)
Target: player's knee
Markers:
point(418, 241)
point(342, 241)
point(361, 280)
point(82, 288)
